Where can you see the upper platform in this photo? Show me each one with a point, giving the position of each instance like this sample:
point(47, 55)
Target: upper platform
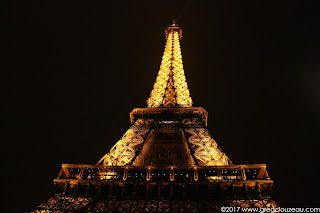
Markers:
point(169, 114)
point(173, 28)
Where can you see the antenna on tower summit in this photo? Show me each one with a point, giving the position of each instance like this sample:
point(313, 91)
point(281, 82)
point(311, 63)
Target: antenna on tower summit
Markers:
point(173, 22)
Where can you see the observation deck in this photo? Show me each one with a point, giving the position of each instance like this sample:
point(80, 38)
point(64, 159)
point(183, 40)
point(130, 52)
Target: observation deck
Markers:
point(205, 182)
point(169, 113)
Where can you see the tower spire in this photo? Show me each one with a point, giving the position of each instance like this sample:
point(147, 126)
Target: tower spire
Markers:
point(170, 88)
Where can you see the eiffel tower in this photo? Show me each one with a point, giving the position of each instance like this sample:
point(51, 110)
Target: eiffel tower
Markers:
point(167, 160)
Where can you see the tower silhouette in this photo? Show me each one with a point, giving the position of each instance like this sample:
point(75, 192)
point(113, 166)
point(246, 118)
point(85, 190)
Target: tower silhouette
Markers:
point(167, 160)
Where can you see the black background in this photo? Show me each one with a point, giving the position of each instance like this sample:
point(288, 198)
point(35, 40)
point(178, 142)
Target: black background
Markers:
point(76, 69)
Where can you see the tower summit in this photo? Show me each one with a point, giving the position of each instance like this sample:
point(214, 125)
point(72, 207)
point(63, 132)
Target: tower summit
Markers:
point(170, 88)
point(167, 161)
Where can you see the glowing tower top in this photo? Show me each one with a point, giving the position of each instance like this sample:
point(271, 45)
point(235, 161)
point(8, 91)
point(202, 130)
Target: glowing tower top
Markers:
point(170, 88)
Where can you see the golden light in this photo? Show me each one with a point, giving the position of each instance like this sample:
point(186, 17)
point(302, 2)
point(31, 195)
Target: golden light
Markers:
point(171, 87)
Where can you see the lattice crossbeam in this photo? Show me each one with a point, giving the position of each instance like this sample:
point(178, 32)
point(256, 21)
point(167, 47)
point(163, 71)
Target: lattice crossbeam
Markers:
point(125, 149)
point(205, 148)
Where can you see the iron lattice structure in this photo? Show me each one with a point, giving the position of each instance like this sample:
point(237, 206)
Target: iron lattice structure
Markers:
point(167, 161)
point(170, 90)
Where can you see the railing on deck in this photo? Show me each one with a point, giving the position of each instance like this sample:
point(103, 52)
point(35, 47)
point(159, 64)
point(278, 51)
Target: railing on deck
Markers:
point(132, 173)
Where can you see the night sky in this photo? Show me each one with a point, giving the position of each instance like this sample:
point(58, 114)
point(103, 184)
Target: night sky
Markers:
point(75, 70)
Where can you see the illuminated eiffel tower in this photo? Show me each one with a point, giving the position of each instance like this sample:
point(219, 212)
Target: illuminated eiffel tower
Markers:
point(167, 161)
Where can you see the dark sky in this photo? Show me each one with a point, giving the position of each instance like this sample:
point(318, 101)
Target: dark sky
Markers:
point(75, 70)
